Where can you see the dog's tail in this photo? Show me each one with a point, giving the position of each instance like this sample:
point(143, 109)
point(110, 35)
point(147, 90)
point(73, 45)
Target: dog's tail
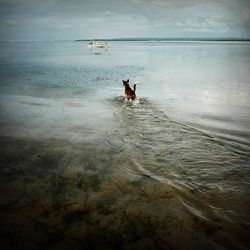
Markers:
point(134, 87)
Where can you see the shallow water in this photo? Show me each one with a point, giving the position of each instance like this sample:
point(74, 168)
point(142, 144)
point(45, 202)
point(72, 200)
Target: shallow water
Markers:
point(81, 163)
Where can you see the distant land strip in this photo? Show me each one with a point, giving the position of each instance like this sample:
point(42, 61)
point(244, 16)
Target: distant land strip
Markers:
point(171, 39)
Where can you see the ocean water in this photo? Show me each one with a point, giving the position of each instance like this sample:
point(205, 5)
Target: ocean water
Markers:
point(84, 168)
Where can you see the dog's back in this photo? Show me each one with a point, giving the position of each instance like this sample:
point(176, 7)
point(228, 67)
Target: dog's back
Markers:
point(129, 93)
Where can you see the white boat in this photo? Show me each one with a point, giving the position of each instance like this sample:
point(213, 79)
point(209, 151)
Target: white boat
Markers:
point(93, 44)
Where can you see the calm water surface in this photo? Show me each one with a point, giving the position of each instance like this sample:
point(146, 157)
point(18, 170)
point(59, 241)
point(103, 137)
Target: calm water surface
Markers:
point(81, 164)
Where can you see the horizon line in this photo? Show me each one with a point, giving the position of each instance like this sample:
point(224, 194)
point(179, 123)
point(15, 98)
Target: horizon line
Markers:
point(229, 39)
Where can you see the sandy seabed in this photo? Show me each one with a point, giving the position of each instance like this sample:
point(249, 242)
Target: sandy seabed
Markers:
point(61, 195)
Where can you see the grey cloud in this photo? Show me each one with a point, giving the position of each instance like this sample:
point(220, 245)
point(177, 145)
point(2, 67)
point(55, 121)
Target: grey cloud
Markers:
point(8, 22)
point(115, 18)
point(245, 17)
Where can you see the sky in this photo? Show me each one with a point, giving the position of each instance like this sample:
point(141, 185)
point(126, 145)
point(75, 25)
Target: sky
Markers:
point(35, 20)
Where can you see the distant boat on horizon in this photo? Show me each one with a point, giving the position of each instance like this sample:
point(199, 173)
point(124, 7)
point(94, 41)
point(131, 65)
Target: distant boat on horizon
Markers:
point(93, 44)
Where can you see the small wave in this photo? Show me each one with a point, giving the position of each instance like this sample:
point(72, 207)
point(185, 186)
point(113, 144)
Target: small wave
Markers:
point(34, 103)
point(194, 211)
point(122, 100)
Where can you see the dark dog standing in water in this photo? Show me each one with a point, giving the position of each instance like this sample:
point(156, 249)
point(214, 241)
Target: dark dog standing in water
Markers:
point(129, 93)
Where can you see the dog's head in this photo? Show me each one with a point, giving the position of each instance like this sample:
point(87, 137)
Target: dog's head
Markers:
point(125, 83)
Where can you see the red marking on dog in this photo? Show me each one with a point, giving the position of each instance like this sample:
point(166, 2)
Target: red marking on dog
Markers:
point(129, 93)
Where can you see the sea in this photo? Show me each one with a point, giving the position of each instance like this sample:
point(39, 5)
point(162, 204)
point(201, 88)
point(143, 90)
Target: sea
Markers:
point(84, 168)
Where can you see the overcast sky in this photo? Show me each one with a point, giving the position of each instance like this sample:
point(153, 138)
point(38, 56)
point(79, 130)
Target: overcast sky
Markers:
point(76, 19)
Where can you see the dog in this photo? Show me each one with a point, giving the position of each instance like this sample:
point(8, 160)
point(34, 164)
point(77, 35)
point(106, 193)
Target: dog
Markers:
point(129, 93)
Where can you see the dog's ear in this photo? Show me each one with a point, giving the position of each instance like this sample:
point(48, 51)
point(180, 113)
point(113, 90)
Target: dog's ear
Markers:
point(128, 81)
point(123, 81)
